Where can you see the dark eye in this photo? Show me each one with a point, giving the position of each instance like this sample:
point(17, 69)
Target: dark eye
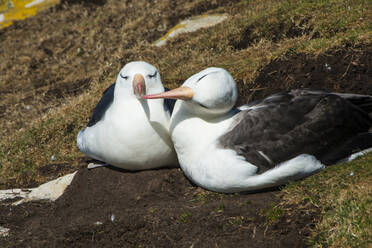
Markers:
point(153, 75)
point(125, 77)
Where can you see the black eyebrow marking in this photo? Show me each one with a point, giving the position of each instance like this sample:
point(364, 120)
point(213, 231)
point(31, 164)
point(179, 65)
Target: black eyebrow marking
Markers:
point(206, 75)
point(201, 77)
point(125, 77)
point(151, 76)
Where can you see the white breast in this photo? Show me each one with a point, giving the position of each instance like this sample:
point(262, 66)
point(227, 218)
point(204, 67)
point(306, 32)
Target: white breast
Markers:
point(134, 140)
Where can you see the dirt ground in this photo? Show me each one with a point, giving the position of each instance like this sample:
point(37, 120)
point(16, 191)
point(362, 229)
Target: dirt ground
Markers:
point(157, 208)
point(106, 207)
point(345, 69)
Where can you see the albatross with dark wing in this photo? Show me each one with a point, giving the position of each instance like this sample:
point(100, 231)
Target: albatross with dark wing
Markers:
point(286, 136)
point(127, 131)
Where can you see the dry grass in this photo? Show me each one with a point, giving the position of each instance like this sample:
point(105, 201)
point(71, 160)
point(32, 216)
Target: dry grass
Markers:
point(54, 71)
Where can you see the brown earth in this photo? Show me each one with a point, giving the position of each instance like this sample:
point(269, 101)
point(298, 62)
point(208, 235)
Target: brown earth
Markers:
point(156, 208)
point(346, 69)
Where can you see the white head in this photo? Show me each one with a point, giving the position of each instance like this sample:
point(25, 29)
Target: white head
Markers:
point(212, 91)
point(138, 78)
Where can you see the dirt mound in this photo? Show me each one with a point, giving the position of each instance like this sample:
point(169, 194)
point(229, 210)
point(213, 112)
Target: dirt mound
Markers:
point(338, 70)
point(158, 208)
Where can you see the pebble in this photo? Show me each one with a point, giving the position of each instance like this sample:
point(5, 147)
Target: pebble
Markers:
point(4, 232)
point(327, 66)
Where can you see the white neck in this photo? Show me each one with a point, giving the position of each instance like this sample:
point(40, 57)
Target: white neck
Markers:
point(196, 132)
point(196, 142)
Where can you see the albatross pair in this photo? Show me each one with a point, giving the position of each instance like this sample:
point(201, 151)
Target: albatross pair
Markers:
point(284, 137)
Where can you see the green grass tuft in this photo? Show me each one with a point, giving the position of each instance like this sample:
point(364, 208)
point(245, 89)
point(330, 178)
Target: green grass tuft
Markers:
point(185, 217)
point(272, 214)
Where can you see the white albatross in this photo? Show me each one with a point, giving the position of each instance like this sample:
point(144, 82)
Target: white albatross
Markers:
point(286, 136)
point(127, 131)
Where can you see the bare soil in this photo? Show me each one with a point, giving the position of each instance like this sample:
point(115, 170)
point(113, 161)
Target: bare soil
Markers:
point(344, 69)
point(106, 207)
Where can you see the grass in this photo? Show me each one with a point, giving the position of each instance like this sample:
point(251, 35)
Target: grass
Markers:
point(60, 76)
point(220, 208)
point(343, 194)
point(272, 214)
point(185, 217)
point(203, 196)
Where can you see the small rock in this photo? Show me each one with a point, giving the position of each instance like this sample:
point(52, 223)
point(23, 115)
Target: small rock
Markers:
point(327, 66)
point(4, 232)
point(47, 191)
point(79, 51)
point(28, 107)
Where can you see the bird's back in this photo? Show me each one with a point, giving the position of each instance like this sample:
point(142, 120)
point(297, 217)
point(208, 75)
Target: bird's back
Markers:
point(282, 126)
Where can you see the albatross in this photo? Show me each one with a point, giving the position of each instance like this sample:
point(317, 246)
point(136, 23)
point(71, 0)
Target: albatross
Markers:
point(286, 136)
point(127, 131)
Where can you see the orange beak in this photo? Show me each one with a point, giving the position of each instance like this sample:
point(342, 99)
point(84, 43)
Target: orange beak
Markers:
point(139, 86)
point(183, 93)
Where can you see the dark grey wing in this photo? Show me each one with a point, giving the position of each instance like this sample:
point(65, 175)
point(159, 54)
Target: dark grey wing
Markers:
point(169, 103)
point(103, 104)
point(363, 102)
point(288, 124)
